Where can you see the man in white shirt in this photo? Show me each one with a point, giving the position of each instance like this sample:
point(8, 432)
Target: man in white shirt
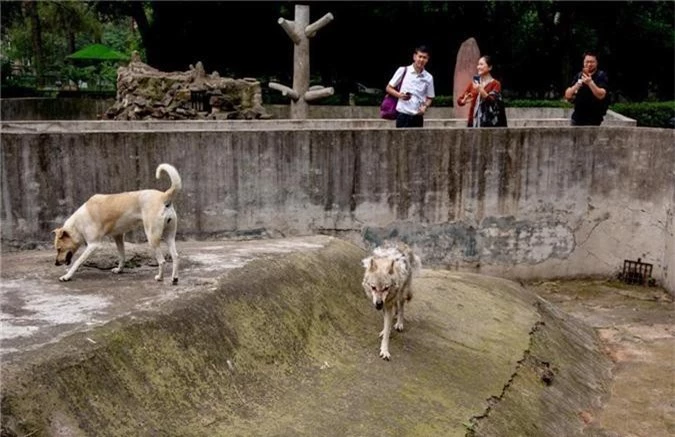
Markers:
point(415, 90)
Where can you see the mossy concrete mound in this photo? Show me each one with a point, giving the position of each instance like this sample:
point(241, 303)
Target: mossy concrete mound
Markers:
point(287, 345)
point(561, 381)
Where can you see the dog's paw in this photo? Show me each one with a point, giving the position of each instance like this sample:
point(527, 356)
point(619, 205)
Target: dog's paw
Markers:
point(158, 278)
point(64, 278)
point(116, 270)
point(174, 281)
point(385, 355)
point(398, 326)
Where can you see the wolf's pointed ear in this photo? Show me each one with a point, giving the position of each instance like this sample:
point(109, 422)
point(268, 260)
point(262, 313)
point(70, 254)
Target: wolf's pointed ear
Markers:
point(372, 266)
point(391, 267)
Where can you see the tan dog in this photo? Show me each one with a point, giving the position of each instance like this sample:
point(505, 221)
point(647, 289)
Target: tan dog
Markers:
point(116, 214)
point(387, 281)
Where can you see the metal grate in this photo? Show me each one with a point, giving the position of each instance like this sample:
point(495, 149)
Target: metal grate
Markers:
point(200, 101)
point(636, 272)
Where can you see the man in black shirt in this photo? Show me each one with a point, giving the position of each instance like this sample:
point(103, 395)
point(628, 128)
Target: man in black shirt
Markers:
point(589, 93)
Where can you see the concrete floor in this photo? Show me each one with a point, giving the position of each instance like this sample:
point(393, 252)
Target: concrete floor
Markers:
point(37, 309)
point(637, 327)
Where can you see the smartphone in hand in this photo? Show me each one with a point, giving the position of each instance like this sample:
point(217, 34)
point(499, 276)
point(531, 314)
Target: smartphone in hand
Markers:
point(476, 79)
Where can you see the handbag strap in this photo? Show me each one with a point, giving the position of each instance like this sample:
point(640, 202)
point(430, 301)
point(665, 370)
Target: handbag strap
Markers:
point(405, 69)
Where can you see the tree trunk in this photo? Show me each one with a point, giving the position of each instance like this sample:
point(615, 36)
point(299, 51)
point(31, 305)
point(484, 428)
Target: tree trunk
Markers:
point(30, 8)
point(144, 28)
point(71, 42)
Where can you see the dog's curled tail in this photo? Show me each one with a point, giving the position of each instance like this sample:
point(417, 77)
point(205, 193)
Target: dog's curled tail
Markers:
point(176, 182)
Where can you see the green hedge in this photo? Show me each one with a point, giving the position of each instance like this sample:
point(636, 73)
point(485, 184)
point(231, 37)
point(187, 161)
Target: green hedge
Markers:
point(648, 114)
point(537, 103)
point(367, 100)
point(372, 100)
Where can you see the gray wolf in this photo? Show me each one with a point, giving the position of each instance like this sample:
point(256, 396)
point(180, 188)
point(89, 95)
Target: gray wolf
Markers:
point(387, 282)
point(114, 215)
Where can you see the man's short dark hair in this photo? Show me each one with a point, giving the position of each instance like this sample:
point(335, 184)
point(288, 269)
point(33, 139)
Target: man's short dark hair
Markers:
point(591, 53)
point(422, 49)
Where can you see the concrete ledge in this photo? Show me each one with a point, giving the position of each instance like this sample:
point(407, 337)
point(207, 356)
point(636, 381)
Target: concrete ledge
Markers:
point(268, 125)
point(256, 332)
point(17, 109)
point(516, 202)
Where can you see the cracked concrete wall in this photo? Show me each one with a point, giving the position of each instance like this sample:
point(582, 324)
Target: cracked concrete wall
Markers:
point(669, 242)
point(519, 203)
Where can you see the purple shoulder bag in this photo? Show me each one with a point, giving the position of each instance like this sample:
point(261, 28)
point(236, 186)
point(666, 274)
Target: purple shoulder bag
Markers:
point(388, 105)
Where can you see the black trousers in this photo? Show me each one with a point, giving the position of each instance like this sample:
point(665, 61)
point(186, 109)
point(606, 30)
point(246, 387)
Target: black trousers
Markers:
point(582, 121)
point(405, 120)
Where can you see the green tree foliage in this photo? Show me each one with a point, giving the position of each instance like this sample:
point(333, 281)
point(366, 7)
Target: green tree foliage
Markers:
point(37, 37)
point(537, 46)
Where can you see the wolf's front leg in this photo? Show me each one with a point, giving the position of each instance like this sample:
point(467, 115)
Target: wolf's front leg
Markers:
point(399, 316)
point(384, 346)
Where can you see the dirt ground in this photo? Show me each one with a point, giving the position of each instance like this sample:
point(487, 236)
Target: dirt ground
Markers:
point(637, 327)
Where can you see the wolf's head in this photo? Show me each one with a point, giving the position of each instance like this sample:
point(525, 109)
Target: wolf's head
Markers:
point(379, 280)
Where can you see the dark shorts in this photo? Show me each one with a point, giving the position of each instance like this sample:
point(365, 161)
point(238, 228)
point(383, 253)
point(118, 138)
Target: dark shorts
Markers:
point(405, 120)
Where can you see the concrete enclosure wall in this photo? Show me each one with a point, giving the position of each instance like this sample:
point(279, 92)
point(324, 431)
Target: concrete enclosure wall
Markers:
point(520, 203)
point(61, 108)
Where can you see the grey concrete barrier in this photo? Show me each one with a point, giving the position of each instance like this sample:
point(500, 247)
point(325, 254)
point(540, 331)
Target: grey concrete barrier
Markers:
point(517, 202)
point(61, 108)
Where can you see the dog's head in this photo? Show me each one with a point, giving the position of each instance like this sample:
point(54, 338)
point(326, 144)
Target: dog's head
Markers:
point(378, 280)
point(65, 246)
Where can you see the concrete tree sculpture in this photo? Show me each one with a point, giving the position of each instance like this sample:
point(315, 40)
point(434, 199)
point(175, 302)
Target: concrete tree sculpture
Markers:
point(299, 31)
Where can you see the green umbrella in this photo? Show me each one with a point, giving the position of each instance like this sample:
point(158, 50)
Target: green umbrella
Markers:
point(97, 52)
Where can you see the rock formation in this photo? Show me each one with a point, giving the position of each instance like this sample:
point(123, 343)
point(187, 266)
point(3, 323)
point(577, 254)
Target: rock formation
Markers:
point(465, 67)
point(144, 92)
